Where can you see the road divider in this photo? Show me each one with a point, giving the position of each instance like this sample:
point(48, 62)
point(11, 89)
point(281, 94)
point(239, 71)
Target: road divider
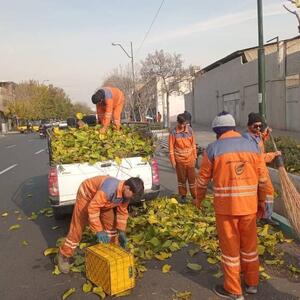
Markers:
point(7, 169)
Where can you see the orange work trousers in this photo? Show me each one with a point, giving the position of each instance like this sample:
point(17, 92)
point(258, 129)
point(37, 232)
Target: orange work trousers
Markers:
point(186, 173)
point(117, 111)
point(80, 221)
point(238, 243)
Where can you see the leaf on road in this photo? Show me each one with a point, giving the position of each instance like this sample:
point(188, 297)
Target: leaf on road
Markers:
point(14, 227)
point(4, 214)
point(83, 245)
point(261, 249)
point(16, 212)
point(68, 293)
point(193, 251)
point(56, 270)
point(265, 275)
point(288, 241)
point(87, 287)
point(99, 291)
point(123, 294)
point(50, 251)
point(29, 195)
point(154, 241)
point(212, 261)
point(24, 243)
point(166, 268)
point(33, 216)
point(54, 227)
point(19, 218)
point(162, 255)
point(219, 274)
point(77, 269)
point(194, 267)
point(185, 295)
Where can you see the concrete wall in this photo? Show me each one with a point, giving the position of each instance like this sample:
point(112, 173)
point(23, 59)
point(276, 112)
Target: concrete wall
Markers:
point(216, 89)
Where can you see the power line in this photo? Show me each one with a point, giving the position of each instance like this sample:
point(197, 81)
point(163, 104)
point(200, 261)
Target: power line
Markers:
point(150, 27)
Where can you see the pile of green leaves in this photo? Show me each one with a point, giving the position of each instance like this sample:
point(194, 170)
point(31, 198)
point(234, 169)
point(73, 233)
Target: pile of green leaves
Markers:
point(88, 145)
point(290, 149)
point(164, 226)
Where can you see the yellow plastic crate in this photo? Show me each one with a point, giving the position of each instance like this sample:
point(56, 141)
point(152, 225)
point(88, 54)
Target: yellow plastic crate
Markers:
point(111, 267)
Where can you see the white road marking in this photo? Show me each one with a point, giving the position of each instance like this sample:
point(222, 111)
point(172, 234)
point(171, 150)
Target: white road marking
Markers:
point(7, 169)
point(38, 152)
point(10, 146)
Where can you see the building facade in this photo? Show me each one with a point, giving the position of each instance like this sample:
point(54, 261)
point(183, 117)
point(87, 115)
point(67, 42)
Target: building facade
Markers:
point(231, 84)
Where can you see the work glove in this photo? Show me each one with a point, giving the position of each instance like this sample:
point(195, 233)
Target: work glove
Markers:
point(102, 237)
point(122, 239)
point(261, 209)
point(268, 210)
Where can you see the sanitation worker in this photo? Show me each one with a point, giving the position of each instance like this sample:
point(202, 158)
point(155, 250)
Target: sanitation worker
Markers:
point(101, 204)
point(238, 172)
point(109, 104)
point(258, 133)
point(183, 154)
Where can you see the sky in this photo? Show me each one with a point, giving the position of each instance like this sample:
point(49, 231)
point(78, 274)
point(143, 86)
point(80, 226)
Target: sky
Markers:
point(67, 43)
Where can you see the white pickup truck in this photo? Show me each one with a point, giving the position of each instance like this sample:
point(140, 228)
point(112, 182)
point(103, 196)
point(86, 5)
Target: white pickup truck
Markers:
point(64, 179)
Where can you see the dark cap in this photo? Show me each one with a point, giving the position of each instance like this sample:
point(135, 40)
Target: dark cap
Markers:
point(254, 118)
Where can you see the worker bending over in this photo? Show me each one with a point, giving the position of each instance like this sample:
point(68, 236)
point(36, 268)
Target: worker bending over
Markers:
point(238, 172)
point(183, 154)
point(258, 133)
point(101, 204)
point(109, 104)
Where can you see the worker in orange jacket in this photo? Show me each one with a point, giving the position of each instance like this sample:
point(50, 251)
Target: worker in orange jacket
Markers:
point(258, 133)
point(239, 174)
point(183, 154)
point(109, 103)
point(101, 204)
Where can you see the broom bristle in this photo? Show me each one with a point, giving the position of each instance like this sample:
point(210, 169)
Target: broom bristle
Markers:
point(291, 199)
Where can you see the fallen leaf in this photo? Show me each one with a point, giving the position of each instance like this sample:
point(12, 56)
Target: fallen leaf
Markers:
point(212, 261)
point(54, 227)
point(50, 251)
point(14, 227)
point(194, 267)
point(24, 243)
point(56, 270)
point(4, 214)
point(261, 249)
point(185, 295)
point(16, 212)
point(154, 241)
point(163, 255)
point(99, 291)
point(83, 245)
point(68, 293)
point(19, 218)
point(219, 274)
point(166, 268)
point(194, 251)
point(265, 275)
point(33, 216)
point(76, 269)
point(87, 287)
point(29, 195)
point(288, 241)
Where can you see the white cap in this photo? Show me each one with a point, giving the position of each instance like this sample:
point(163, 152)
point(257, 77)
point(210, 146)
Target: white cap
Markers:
point(223, 119)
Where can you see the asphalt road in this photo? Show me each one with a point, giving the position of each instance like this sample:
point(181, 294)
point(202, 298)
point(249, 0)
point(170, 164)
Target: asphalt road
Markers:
point(26, 272)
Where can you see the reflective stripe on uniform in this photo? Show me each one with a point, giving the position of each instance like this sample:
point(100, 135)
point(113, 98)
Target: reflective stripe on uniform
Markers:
point(242, 194)
point(243, 187)
point(250, 259)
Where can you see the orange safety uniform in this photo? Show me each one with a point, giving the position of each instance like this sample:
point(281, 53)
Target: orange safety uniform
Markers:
point(112, 107)
point(268, 157)
point(99, 205)
point(238, 172)
point(183, 154)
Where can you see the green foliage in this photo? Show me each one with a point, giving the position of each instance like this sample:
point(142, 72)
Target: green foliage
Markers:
point(290, 149)
point(88, 145)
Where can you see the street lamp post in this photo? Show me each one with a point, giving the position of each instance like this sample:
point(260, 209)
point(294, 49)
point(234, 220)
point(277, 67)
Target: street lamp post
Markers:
point(129, 56)
point(261, 63)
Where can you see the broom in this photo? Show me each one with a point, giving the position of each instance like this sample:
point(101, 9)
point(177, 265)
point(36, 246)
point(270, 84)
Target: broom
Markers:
point(291, 197)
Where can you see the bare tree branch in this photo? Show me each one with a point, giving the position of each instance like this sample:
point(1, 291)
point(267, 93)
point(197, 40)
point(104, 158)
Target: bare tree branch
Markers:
point(292, 12)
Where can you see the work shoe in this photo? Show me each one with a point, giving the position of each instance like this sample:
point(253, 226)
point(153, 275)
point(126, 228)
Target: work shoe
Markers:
point(63, 263)
point(220, 291)
point(251, 289)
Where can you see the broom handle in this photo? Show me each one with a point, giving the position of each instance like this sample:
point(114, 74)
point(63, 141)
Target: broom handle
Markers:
point(273, 142)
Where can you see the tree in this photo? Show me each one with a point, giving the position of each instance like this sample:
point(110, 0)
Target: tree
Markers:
point(168, 70)
point(35, 101)
point(294, 12)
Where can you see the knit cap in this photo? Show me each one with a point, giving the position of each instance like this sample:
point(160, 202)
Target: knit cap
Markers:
point(223, 122)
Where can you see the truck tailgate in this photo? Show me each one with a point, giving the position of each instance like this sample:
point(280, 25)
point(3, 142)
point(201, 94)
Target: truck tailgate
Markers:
point(70, 176)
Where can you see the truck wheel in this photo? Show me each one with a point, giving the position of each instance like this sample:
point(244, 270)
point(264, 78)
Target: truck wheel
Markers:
point(58, 213)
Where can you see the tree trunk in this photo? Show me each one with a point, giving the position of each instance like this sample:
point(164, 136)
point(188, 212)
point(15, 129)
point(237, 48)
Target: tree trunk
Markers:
point(168, 111)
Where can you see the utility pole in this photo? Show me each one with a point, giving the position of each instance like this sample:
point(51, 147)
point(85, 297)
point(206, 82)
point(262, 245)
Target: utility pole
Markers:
point(261, 62)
